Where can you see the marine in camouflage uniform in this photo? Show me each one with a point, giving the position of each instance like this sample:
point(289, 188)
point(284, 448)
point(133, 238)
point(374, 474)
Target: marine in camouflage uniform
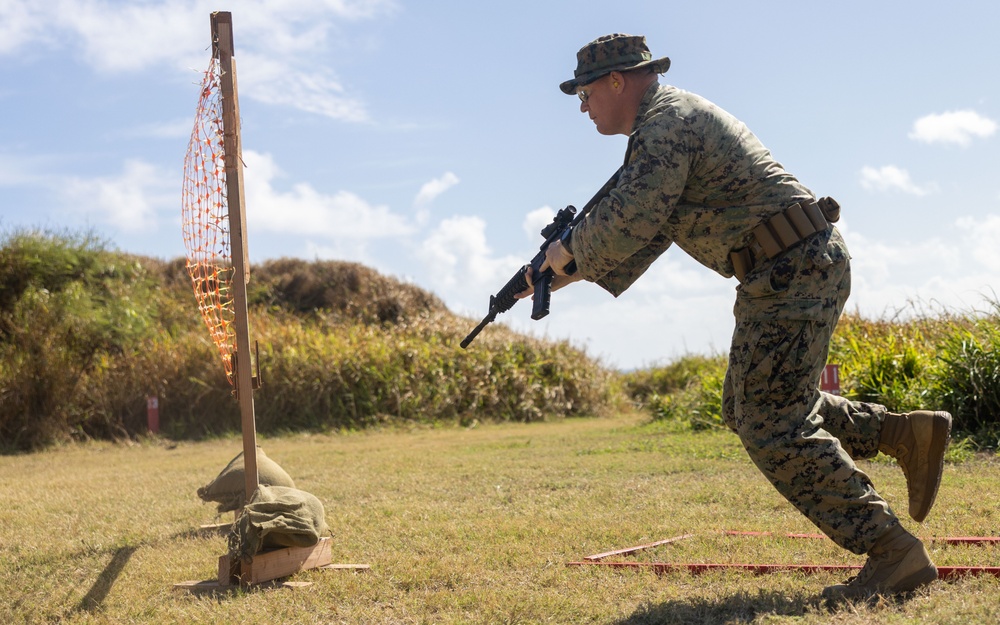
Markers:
point(695, 176)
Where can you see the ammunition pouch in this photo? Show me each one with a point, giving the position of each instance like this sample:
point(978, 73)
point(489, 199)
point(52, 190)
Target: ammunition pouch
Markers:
point(783, 231)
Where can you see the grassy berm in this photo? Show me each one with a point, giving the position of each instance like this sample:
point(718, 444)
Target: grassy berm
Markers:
point(86, 334)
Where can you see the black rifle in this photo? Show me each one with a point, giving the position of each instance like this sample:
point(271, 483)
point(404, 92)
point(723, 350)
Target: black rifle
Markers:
point(505, 299)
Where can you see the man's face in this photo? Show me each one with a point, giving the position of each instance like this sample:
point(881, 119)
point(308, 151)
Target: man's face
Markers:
point(599, 100)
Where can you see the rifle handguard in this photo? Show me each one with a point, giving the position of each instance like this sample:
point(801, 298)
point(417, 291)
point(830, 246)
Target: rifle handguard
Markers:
point(565, 220)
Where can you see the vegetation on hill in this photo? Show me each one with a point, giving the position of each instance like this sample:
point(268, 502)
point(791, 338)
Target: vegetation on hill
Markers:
point(87, 333)
point(935, 360)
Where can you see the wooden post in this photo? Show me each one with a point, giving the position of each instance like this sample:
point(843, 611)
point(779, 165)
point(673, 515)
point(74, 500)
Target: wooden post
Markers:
point(273, 564)
point(222, 47)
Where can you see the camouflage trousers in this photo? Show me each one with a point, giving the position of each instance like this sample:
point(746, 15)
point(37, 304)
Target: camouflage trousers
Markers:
point(803, 440)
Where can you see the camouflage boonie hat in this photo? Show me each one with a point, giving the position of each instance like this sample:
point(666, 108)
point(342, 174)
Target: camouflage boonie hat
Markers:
point(611, 53)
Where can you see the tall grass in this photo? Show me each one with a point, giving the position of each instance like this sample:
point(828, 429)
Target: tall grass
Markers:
point(67, 306)
point(86, 334)
point(968, 381)
point(688, 390)
point(913, 359)
point(934, 359)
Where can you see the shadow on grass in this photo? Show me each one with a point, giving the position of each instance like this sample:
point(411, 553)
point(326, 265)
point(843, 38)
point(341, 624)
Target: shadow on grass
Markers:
point(120, 557)
point(106, 580)
point(738, 608)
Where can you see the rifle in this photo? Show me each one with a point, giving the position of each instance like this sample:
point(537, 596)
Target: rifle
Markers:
point(505, 299)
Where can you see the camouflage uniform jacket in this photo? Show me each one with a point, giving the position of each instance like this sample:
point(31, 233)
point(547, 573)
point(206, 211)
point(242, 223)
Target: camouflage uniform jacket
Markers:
point(695, 176)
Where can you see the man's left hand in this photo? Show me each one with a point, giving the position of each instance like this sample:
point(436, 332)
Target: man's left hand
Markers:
point(558, 282)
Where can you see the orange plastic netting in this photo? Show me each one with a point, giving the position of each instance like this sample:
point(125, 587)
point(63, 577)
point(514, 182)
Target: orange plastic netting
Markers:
point(205, 219)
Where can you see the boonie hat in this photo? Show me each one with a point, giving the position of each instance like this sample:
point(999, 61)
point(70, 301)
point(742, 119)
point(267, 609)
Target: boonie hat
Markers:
point(611, 53)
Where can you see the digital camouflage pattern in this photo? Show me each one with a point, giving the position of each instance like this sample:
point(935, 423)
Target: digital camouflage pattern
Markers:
point(696, 176)
point(803, 440)
point(610, 53)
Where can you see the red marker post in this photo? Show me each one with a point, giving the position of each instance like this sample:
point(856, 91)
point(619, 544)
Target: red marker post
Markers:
point(153, 414)
point(830, 382)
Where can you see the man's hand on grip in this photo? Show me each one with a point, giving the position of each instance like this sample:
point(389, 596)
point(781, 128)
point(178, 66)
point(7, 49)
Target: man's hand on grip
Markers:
point(558, 282)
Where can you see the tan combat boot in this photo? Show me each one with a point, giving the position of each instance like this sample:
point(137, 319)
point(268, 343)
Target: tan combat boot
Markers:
point(917, 440)
point(897, 563)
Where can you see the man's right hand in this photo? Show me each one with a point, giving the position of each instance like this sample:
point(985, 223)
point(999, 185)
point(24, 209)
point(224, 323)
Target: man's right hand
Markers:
point(558, 282)
point(557, 257)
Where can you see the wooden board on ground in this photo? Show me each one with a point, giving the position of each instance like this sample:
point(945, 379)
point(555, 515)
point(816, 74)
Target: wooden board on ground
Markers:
point(213, 585)
point(277, 563)
point(215, 527)
point(271, 565)
point(345, 567)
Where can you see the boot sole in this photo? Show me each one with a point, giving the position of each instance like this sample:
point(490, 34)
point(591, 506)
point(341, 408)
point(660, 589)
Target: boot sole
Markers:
point(940, 434)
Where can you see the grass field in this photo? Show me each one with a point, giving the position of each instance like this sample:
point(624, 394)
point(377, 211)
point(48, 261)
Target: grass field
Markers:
point(462, 525)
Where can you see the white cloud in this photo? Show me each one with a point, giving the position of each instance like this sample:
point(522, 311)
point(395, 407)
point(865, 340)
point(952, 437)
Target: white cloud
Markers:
point(280, 44)
point(891, 178)
point(305, 211)
point(654, 324)
point(456, 253)
point(982, 236)
point(20, 23)
point(958, 127)
point(679, 307)
point(178, 128)
point(430, 190)
point(278, 82)
point(342, 250)
point(535, 221)
point(129, 201)
point(117, 37)
point(897, 277)
point(891, 261)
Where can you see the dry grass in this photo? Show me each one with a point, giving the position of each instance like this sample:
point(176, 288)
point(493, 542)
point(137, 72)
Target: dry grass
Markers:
point(460, 525)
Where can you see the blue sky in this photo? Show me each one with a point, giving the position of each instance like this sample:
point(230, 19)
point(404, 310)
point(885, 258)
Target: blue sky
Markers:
point(429, 140)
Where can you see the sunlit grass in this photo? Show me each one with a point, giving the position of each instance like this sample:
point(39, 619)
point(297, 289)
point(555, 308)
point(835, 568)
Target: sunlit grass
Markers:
point(461, 525)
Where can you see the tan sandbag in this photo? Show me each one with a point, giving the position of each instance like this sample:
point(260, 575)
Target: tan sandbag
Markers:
point(277, 516)
point(228, 489)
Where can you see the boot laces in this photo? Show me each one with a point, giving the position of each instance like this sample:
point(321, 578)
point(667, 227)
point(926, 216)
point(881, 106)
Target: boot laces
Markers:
point(865, 574)
point(903, 460)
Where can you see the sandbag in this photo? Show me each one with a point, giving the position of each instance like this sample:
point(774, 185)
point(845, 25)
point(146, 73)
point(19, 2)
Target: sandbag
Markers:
point(228, 489)
point(277, 516)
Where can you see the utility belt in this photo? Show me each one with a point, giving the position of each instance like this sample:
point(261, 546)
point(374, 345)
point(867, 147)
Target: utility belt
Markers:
point(783, 231)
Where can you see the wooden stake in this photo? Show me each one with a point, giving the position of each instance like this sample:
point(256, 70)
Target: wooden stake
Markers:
point(222, 46)
point(630, 550)
point(279, 563)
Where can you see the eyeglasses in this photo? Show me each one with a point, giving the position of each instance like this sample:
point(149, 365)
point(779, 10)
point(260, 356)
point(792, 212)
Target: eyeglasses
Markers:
point(584, 95)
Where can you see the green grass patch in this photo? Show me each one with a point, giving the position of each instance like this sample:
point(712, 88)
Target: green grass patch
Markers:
point(461, 525)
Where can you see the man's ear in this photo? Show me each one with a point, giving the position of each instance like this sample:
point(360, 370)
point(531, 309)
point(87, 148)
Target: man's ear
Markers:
point(617, 82)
